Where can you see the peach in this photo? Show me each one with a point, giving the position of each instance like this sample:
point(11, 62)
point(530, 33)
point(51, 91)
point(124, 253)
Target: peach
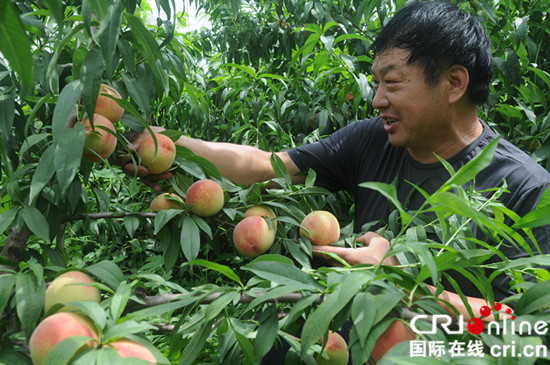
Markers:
point(68, 287)
point(336, 350)
point(320, 227)
point(162, 202)
point(106, 106)
point(56, 328)
point(129, 348)
point(98, 139)
point(205, 198)
point(262, 211)
point(395, 333)
point(253, 237)
point(162, 158)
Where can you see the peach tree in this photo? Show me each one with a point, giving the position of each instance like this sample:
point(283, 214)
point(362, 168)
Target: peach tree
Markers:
point(269, 74)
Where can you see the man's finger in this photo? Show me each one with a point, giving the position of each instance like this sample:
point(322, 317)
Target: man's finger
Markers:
point(162, 176)
point(135, 170)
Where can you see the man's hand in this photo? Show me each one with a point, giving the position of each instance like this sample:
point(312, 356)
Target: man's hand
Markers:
point(126, 161)
point(376, 247)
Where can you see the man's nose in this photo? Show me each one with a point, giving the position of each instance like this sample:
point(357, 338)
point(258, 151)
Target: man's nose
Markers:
point(380, 99)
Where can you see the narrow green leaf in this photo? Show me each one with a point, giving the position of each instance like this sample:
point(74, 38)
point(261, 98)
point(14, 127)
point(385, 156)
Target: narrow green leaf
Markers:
point(107, 272)
point(15, 45)
point(190, 239)
point(363, 315)
point(7, 113)
point(64, 350)
point(535, 218)
point(126, 328)
point(163, 217)
point(318, 322)
point(149, 48)
point(108, 39)
point(196, 344)
point(131, 224)
point(267, 332)
point(56, 9)
point(222, 269)
point(120, 299)
point(64, 106)
point(36, 222)
point(280, 169)
point(7, 282)
point(269, 267)
point(43, 173)
point(29, 297)
point(157, 310)
point(7, 218)
point(68, 154)
point(390, 192)
point(536, 298)
point(90, 77)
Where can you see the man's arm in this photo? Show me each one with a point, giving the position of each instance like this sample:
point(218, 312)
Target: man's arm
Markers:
point(376, 248)
point(239, 163)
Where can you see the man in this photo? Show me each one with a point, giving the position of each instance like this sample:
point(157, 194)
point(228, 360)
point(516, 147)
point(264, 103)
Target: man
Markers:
point(432, 67)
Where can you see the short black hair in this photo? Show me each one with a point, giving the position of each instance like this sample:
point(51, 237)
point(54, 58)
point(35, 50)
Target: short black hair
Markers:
point(438, 35)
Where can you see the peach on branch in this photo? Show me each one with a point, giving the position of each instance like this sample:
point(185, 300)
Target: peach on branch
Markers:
point(129, 348)
point(163, 201)
point(395, 333)
point(98, 142)
point(106, 106)
point(262, 211)
point(160, 159)
point(56, 328)
point(336, 350)
point(205, 198)
point(253, 236)
point(320, 227)
point(71, 286)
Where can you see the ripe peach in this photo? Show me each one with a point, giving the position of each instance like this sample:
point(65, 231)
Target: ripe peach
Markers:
point(161, 202)
point(205, 198)
point(262, 211)
point(395, 333)
point(68, 287)
point(97, 139)
point(336, 349)
point(56, 328)
point(106, 106)
point(129, 348)
point(160, 160)
point(320, 227)
point(253, 237)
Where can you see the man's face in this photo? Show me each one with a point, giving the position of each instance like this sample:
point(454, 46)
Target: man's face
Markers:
point(414, 113)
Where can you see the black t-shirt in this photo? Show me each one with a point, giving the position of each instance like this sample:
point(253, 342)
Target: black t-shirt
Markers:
point(361, 152)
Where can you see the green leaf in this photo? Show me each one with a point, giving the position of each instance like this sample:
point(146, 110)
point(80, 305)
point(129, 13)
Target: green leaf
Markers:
point(120, 299)
point(267, 332)
point(15, 45)
point(64, 106)
point(363, 315)
point(126, 328)
point(196, 344)
point(7, 282)
point(108, 39)
point(6, 219)
point(7, 114)
point(29, 298)
point(149, 48)
point(390, 192)
point(222, 269)
point(107, 272)
point(280, 270)
point(535, 218)
point(164, 216)
point(280, 169)
point(68, 154)
point(536, 298)
point(318, 322)
point(190, 239)
point(131, 224)
point(90, 77)
point(64, 350)
point(467, 172)
point(36, 222)
point(43, 173)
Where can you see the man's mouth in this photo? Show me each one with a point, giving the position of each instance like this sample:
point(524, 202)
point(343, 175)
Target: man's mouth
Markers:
point(389, 121)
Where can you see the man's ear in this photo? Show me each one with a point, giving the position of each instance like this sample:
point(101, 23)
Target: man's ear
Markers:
point(458, 79)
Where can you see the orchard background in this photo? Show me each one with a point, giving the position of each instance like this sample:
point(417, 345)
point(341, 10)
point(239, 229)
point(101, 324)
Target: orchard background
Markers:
point(271, 74)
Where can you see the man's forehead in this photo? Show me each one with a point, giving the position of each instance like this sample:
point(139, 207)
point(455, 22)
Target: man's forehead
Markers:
point(389, 60)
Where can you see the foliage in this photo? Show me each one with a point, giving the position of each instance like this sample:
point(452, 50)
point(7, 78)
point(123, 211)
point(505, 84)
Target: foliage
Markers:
point(272, 74)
